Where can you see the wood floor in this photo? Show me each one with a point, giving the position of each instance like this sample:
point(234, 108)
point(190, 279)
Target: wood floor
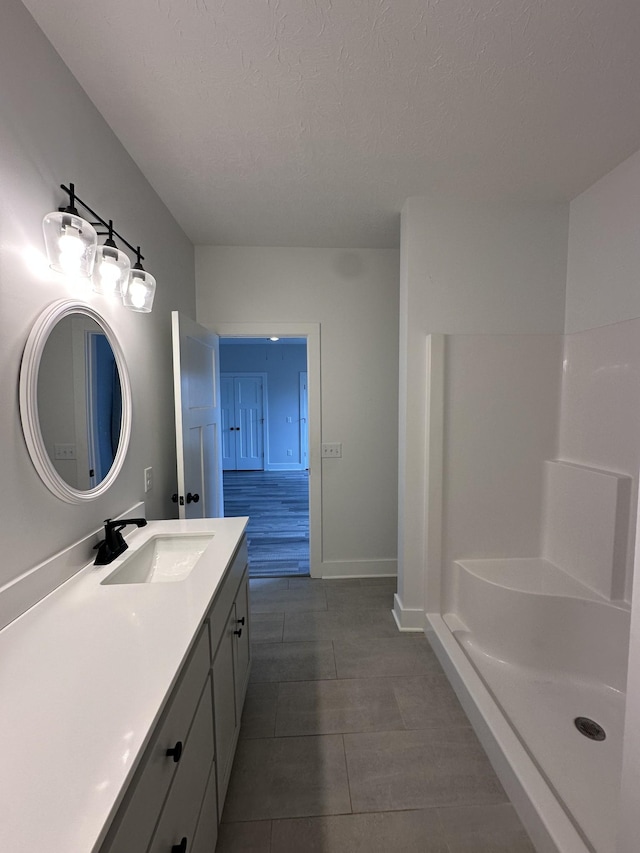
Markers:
point(277, 503)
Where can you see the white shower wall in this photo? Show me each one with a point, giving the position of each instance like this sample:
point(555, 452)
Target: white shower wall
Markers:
point(500, 424)
point(600, 412)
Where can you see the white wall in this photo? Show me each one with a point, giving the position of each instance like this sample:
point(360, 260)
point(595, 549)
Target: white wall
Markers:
point(51, 134)
point(601, 418)
point(353, 294)
point(604, 250)
point(465, 269)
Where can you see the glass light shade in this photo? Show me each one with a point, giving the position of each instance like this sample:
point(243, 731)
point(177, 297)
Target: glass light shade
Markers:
point(139, 291)
point(110, 271)
point(71, 243)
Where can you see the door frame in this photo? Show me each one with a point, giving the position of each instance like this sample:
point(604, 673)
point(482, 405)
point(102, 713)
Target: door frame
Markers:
point(310, 331)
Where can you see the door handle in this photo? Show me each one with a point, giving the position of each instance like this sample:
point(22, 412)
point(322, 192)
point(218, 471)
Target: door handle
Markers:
point(195, 498)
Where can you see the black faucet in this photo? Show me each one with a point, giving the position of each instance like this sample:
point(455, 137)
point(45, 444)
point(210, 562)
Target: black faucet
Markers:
point(113, 543)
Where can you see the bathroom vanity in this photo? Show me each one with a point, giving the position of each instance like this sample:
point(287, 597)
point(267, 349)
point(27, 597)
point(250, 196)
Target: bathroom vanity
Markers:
point(122, 696)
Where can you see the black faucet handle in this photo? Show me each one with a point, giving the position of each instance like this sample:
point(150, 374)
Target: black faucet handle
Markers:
point(113, 543)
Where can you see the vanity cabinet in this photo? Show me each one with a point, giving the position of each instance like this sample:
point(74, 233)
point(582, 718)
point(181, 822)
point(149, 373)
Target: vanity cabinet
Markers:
point(230, 652)
point(179, 788)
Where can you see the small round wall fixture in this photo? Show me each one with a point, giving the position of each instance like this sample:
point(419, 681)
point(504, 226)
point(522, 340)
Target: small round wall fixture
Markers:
point(75, 401)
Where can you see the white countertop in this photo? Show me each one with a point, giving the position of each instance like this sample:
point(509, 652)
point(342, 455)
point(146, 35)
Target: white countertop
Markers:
point(84, 675)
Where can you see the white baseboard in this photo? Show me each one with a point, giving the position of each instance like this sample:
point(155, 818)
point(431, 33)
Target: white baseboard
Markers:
point(284, 466)
point(23, 592)
point(407, 619)
point(358, 568)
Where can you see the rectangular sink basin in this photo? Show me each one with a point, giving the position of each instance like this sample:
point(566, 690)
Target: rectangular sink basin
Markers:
point(163, 559)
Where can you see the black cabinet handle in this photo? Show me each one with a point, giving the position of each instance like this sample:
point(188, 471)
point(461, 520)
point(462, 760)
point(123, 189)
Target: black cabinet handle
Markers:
point(180, 848)
point(195, 497)
point(175, 752)
point(238, 633)
point(174, 497)
point(240, 621)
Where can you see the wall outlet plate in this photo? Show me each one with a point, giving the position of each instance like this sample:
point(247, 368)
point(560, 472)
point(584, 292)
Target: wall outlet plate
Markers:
point(148, 479)
point(332, 450)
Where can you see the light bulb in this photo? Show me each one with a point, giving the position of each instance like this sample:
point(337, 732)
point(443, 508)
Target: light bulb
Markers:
point(109, 274)
point(70, 242)
point(137, 294)
point(70, 262)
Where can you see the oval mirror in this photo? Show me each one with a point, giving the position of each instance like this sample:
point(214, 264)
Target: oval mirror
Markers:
point(75, 401)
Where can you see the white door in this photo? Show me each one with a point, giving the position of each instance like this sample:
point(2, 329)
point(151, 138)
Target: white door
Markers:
point(250, 420)
point(228, 422)
point(197, 405)
point(242, 406)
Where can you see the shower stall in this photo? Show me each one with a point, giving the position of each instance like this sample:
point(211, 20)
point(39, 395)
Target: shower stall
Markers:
point(533, 456)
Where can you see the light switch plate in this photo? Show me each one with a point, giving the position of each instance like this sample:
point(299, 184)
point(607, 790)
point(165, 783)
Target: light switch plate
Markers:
point(332, 450)
point(64, 451)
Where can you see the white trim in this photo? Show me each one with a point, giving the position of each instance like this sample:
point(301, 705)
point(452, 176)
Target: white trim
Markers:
point(359, 568)
point(283, 466)
point(434, 457)
point(310, 331)
point(29, 368)
point(407, 619)
point(543, 817)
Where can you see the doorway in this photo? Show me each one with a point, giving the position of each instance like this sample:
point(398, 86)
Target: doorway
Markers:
point(309, 467)
point(264, 432)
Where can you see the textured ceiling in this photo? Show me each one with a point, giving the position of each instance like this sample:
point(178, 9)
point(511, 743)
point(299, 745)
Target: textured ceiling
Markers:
point(309, 122)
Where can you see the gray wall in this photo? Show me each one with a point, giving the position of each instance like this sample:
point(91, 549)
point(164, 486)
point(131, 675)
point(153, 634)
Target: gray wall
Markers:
point(51, 134)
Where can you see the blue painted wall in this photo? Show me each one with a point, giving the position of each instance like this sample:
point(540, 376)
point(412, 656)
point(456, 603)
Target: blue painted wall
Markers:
point(283, 364)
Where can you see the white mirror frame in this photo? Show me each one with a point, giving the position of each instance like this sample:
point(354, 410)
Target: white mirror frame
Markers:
point(29, 401)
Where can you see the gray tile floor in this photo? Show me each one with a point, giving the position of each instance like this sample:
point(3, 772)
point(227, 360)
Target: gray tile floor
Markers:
point(352, 740)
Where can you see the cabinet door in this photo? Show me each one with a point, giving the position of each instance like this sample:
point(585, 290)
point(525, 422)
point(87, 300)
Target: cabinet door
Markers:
point(182, 807)
point(138, 815)
point(224, 705)
point(243, 644)
point(207, 831)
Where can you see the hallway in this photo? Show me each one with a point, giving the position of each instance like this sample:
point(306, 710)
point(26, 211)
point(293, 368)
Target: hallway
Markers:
point(277, 503)
point(352, 739)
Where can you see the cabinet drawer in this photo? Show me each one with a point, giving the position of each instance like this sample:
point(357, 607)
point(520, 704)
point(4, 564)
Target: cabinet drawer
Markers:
point(219, 611)
point(136, 820)
point(182, 807)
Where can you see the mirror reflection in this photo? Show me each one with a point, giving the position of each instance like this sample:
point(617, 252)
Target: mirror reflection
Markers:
point(79, 401)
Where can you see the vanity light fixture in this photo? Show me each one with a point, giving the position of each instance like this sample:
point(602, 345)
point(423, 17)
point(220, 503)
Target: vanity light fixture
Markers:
point(71, 243)
point(140, 288)
point(112, 267)
point(274, 339)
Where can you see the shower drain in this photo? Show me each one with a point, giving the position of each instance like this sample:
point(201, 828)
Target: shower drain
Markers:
point(589, 728)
